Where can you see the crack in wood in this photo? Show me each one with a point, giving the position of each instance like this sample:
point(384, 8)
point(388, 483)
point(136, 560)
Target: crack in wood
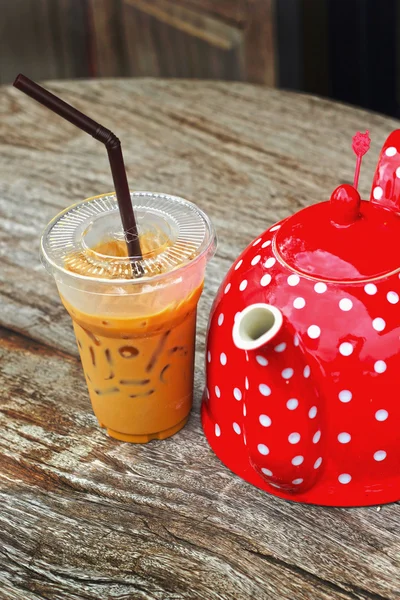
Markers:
point(312, 577)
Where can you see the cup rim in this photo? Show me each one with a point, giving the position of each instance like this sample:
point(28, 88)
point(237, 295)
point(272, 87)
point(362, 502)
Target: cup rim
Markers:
point(208, 250)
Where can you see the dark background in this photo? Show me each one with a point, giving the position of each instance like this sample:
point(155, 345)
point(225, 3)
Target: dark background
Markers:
point(348, 50)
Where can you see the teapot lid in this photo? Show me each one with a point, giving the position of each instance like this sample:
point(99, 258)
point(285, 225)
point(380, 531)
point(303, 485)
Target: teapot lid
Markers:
point(348, 239)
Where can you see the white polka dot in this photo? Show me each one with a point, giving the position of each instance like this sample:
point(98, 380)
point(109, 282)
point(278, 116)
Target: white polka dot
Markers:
point(297, 460)
point(275, 227)
point(344, 478)
point(265, 244)
point(299, 303)
point(267, 472)
point(292, 404)
point(287, 373)
point(306, 371)
point(320, 287)
point(312, 413)
point(261, 360)
point(293, 280)
point(263, 449)
point(346, 349)
point(238, 264)
point(221, 319)
point(257, 242)
point(246, 383)
point(380, 366)
point(380, 455)
point(344, 437)
point(244, 410)
point(345, 304)
point(345, 396)
point(243, 285)
point(370, 289)
point(398, 172)
point(316, 437)
point(378, 324)
point(314, 332)
point(269, 262)
point(227, 288)
point(378, 193)
point(223, 358)
point(256, 260)
point(296, 340)
point(318, 463)
point(209, 356)
point(381, 415)
point(265, 279)
point(217, 392)
point(392, 297)
point(280, 347)
point(217, 430)
point(237, 393)
point(391, 151)
point(297, 481)
point(294, 438)
point(265, 420)
point(264, 389)
point(236, 428)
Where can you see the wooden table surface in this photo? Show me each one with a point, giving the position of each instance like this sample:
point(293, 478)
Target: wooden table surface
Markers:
point(86, 516)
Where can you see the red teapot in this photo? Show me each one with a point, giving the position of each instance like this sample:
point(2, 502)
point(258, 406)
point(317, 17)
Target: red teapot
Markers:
point(302, 394)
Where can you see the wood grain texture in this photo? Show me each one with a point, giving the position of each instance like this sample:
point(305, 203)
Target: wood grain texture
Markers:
point(116, 38)
point(84, 516)
point(231, 11)
point(172, 38)
point(259, 44)
point(44, 39)
point(107, 42)
point(25, 18)
point(194, 23)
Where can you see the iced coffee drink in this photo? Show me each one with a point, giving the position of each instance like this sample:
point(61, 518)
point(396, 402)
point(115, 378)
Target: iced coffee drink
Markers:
point(136, 334)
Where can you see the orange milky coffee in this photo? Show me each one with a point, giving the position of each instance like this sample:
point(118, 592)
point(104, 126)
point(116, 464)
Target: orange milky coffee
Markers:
point(139, 370)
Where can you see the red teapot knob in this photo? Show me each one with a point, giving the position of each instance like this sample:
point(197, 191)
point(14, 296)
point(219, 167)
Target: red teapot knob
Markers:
point(345, 205)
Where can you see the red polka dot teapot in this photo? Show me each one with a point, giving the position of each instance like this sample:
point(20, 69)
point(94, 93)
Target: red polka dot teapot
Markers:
point(302, 396)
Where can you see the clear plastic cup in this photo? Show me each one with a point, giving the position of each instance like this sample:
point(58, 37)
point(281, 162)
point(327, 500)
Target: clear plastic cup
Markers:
point(136, 335)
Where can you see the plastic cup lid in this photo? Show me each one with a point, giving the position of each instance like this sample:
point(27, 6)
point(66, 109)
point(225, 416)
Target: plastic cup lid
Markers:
point(87, 240)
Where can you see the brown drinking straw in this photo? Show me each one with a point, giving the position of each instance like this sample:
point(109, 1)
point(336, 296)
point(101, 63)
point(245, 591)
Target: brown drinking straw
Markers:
point(113, 146)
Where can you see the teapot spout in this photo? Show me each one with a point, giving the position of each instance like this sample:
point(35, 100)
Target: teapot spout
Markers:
point(256, 325)
point(282, 420)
